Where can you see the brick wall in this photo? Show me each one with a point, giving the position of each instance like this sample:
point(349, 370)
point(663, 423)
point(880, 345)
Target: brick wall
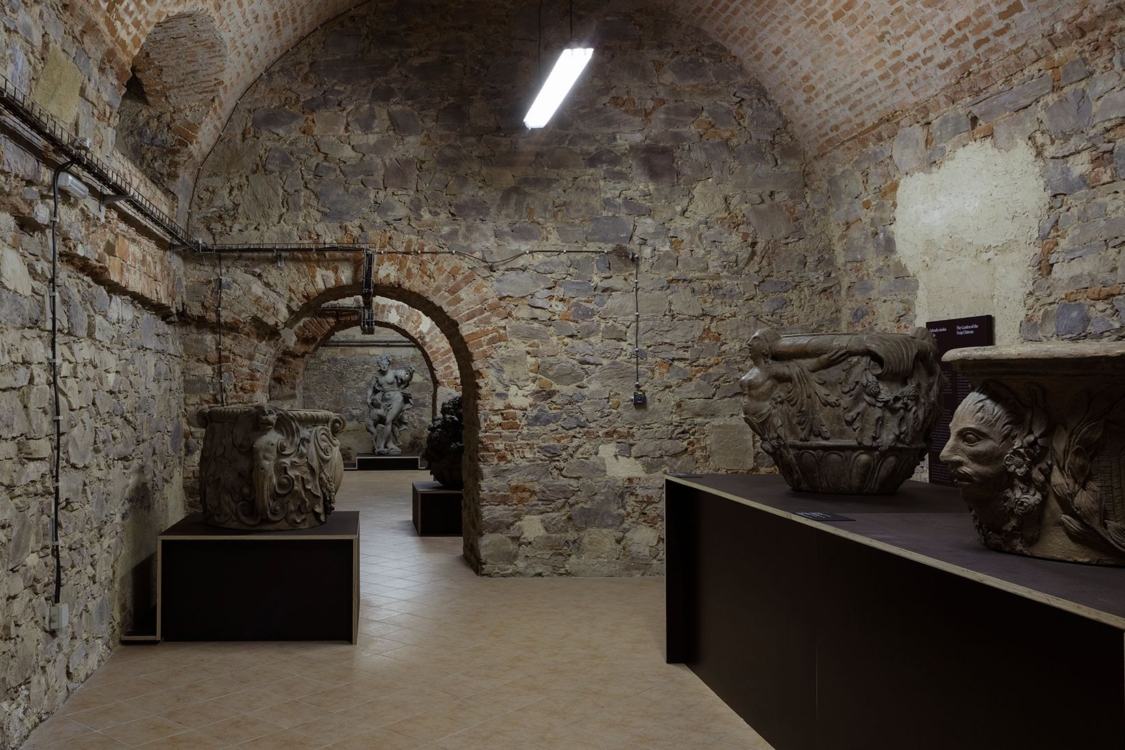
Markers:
point(1062, 116)
point(843, 68)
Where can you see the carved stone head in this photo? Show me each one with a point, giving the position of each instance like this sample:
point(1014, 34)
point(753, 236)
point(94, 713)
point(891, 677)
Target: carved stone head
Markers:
point(383, 362)
point(998, 456)
point(763, 342)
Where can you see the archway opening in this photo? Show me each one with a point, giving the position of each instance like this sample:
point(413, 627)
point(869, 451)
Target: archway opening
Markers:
point(315, 324)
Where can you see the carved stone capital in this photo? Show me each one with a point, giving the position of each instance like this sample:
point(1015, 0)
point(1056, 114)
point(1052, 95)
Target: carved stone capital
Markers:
point(843, 413)
point(264, 468)
point(1037, 450)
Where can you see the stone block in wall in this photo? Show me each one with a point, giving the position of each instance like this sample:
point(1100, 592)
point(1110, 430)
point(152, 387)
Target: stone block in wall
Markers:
point(58, 85)
point(909, 150)
point(1071, 319)
point(280, 121)
point(992, 108)
point(771, 221)
point(1110, 107)
point(1011, 131)
point(731, 447)
point(1063, 178)
point(949, 126)
point(1074, 71)
point(1068, 114)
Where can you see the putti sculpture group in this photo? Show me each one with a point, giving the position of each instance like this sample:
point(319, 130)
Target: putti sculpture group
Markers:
point(387, 402)
point(843, 413)
point(265, 468)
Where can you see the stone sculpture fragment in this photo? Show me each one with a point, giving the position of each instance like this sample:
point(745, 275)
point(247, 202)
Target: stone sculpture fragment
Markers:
point(265, 468)
point(445, 446)
point(1037, 449)
point(843, 413)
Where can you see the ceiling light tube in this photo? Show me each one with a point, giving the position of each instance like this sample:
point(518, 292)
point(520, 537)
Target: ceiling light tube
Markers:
point(570, 65)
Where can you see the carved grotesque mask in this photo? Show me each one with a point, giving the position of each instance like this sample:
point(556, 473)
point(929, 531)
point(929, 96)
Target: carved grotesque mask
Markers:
point(982, 434)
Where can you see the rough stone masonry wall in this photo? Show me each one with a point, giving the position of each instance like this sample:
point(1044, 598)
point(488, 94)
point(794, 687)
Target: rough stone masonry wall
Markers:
point(336, 378)
point(121, 452)
point(407, 117)
point(1009, 203)
point(120, 375)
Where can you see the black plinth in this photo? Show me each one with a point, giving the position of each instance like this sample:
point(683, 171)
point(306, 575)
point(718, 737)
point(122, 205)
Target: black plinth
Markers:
point(437, 510)
point(401, 462)
point(894, 630)
point(224, 585)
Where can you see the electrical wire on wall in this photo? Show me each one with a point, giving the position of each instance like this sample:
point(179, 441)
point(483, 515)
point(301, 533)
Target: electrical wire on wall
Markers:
point(219, 331)
point(53, 297)
point(639, 398)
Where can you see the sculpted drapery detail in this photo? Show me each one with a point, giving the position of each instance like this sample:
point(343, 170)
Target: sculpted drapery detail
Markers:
point(264, 468)
point(847, 413)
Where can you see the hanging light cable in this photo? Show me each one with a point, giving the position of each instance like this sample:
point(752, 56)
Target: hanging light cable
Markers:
point(570, 65)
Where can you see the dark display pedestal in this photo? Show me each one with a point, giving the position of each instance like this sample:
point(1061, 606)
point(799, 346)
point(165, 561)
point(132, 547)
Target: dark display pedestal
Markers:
point(402, 462)
point(437, 510)
point(224, 585)
point(894, 630)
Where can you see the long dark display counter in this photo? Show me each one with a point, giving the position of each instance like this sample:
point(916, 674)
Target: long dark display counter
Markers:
point(896, 629)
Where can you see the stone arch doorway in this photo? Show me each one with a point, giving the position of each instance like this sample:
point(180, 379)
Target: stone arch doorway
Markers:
point(315, 331)
point(470, 369)
point(263, 301)
point(333, 372)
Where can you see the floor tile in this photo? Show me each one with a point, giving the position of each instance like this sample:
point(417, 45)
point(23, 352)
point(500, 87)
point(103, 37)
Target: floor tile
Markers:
point(446, 661)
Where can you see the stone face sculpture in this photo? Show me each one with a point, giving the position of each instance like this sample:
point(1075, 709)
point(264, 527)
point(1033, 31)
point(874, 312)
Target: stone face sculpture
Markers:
point(1037, 450)
point(843, 413)
point(264, 468)
point(444, 446)
point(387, 402)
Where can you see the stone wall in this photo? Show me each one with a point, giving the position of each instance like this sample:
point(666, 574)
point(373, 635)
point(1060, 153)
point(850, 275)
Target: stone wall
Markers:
point(1007, 203)
point(405, 120)
point(120, 379)
point(336, 378)
point(122, 447)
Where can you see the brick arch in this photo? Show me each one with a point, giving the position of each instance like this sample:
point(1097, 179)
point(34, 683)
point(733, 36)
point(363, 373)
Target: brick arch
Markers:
point(839, 69)
point(312, 332)
point(176, 76)
point(262, 300)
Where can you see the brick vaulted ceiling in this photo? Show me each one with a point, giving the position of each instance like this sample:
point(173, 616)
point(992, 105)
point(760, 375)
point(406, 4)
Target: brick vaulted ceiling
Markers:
point(837, 68)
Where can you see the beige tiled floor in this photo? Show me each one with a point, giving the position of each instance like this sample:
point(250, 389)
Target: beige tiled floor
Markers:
point(445, 661)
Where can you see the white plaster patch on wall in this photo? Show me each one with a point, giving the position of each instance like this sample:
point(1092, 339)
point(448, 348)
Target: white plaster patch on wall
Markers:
point(967, 232)
point(619, 466)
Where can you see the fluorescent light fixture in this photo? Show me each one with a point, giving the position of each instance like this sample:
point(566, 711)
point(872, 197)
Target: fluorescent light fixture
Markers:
point(570, 65)
point(70, 184)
